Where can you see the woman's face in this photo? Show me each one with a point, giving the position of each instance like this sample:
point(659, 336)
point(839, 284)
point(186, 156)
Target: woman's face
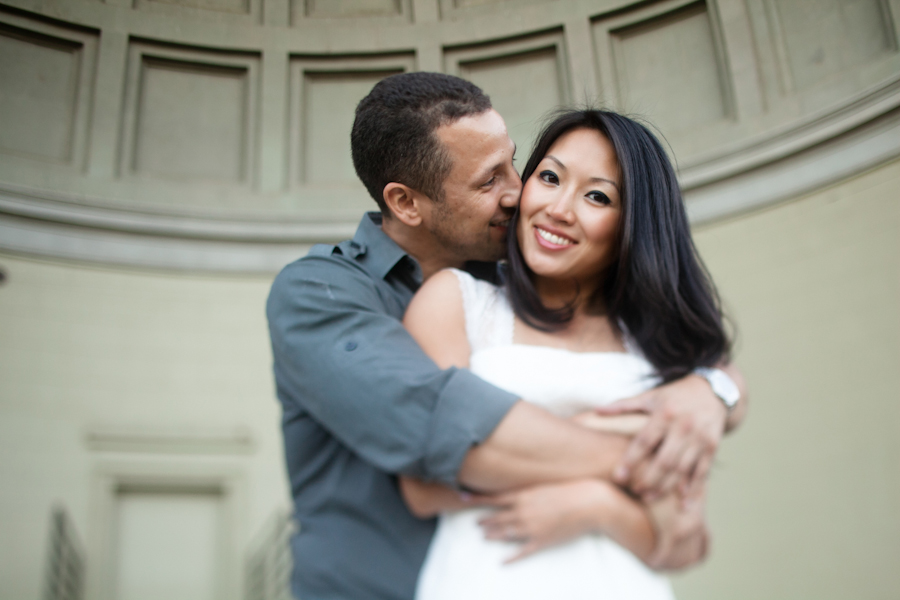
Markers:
point(570, 209)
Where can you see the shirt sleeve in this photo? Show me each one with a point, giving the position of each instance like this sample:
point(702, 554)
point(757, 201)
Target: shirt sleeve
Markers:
point(341, 355)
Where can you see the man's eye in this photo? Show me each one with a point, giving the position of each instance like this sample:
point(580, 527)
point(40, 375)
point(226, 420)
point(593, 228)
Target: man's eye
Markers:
point(549, 177)
point(489, 182)
point(599, 198)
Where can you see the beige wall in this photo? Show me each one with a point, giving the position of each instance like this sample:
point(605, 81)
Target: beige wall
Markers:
point(89, 349)
point(806, 497)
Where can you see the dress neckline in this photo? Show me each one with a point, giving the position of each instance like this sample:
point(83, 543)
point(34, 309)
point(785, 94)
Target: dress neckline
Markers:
point(564, 350)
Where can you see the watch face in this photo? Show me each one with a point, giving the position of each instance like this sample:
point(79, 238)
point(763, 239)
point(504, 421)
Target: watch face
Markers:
point(724, 387)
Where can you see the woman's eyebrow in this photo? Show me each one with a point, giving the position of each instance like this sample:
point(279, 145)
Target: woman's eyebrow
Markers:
point(598, 179)
point(557, 161)
point(605, 180)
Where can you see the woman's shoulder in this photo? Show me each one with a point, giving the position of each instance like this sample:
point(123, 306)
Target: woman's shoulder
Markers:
point(470, 286)
point(444, 289)
point(436, 319)
point(439, 292)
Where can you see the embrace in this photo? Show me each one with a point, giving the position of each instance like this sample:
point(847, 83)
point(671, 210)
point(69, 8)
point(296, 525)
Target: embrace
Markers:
point(502, 387)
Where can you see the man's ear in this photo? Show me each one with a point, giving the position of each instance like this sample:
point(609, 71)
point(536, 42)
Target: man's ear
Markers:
point(404, 203)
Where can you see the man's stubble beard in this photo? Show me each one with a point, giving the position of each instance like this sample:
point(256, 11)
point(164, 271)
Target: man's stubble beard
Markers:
point(464, 245)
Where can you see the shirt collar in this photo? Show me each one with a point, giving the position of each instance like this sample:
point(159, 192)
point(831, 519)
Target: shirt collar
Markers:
point(378, 253)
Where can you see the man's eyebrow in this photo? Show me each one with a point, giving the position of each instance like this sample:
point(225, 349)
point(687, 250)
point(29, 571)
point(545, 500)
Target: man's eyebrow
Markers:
point(592, 179)
point(493, 169)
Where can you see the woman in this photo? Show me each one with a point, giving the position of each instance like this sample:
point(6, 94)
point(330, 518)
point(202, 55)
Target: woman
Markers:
point(605, 298)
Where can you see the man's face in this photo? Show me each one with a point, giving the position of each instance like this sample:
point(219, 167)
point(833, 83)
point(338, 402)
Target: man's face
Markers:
point(481, 191)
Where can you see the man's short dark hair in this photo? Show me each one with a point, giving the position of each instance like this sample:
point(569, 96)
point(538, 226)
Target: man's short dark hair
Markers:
point(393, 137)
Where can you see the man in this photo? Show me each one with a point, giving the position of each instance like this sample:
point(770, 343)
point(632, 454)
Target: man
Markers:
point(362, 403)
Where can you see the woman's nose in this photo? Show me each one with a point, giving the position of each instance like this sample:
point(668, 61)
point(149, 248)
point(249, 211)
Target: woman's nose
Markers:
point(561, 208)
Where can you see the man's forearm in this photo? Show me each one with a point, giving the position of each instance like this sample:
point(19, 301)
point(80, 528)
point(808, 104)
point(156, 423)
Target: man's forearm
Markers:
point(531, 446)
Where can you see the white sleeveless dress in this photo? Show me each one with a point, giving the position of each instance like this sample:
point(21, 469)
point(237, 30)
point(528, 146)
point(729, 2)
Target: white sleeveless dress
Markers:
point(460, 563)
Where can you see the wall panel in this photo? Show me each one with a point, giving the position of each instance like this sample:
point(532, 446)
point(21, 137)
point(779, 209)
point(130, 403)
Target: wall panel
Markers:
point(167, 544)
point(524, 78)
point(667, 68)
point(324, 95)
point(823, 38)
point(228, 6)
point(386, 12)
point(191, 121)
point(46, 73)
point(330, 101)
point(351, 8)
point(37, 112)
point(190, 115)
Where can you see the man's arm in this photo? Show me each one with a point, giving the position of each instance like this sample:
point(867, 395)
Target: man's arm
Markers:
point(532, 446)
point(342, 356)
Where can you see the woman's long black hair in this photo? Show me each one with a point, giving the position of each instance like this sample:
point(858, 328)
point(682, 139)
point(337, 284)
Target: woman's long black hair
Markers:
point(658, 286)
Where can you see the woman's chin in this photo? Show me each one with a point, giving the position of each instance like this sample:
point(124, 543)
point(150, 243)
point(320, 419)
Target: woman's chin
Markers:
point(550, 273)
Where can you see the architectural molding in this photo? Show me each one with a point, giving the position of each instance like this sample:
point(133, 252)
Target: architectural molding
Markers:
point(150, 440)
point(828, 162)
point(212, 136)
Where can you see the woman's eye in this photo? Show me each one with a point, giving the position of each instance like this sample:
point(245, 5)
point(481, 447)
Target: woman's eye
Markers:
point(549, 177)
point(599, 198)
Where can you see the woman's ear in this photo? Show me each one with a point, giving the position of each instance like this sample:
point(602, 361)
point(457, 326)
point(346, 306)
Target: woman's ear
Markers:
point(404, 203)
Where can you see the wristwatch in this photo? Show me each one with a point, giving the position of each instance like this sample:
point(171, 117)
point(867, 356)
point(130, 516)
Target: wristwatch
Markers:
point(722, 385)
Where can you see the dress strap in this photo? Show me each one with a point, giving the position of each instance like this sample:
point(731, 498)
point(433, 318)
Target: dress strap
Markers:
point(489, 320)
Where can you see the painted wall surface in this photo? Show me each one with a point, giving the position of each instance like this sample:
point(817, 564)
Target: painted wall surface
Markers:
point(804, 498)
point(87, 349)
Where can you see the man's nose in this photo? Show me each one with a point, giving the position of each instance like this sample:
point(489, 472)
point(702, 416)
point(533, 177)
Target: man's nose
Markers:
point(510, 198)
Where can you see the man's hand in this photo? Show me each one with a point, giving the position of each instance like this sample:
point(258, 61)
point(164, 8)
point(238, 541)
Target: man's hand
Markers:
point(682, 537)
point(676, 448)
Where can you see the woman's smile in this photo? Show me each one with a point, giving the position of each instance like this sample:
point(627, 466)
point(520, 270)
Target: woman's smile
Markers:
point(551, 239)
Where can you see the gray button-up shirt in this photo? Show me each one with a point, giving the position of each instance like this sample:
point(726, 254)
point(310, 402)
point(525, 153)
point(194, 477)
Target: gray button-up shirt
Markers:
point(362, 403)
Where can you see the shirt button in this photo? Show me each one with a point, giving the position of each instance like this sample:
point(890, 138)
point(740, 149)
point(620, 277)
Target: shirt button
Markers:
point(350, 347)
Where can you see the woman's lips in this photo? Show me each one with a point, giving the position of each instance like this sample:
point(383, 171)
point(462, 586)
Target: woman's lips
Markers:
point(552, 240)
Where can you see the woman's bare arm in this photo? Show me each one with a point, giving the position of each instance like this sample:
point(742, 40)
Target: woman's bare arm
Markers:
point(428, 499)
point(665, 534)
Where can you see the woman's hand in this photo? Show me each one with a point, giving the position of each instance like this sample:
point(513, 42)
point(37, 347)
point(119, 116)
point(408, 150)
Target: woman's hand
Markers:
point(547, 515)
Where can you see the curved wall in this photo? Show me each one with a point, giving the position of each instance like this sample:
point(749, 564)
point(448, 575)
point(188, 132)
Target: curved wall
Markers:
point(213, 134)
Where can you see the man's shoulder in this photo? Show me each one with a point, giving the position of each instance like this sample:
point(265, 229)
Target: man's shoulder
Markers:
point(327, 272)
point(324, 259)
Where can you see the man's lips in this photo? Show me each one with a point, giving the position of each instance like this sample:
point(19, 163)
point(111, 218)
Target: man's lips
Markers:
point(552, 239)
